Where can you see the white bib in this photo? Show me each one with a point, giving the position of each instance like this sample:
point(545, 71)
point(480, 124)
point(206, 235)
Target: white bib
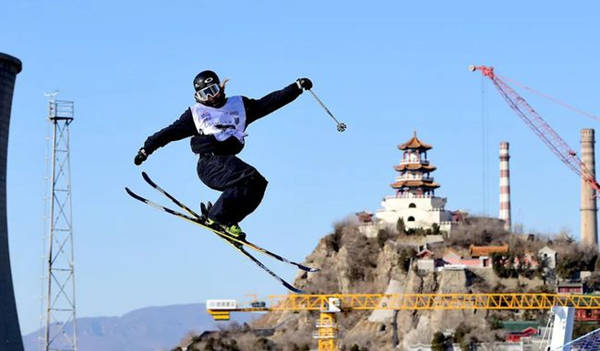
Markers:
point(224, 122)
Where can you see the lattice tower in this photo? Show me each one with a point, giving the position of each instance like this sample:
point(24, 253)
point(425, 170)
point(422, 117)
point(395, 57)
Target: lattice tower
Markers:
point(60, 307)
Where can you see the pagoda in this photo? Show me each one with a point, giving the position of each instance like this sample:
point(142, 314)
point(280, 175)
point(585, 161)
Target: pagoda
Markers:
point(415, 171)
point(414, 200)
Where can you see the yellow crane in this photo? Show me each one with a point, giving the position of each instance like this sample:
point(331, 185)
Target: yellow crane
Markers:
point(330, 304)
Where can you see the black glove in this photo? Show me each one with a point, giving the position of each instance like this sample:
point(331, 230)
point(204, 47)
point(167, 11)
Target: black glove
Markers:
point(304, 83)
point(140, 157)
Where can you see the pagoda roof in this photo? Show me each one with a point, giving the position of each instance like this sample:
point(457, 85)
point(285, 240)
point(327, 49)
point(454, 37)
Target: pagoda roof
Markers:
point(414, 143)
point(415, 183)
point(487, 250)
point(364, 217)
point(414, 167)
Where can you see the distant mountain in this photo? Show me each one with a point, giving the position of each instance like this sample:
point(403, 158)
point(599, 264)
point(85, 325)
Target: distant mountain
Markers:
point(146, 329)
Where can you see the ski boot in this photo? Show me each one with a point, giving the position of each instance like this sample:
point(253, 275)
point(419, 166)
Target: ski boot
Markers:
point(204, 209)
point(233, 230)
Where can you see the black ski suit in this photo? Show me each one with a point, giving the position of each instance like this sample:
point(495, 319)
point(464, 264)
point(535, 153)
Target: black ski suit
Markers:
point(242, 185)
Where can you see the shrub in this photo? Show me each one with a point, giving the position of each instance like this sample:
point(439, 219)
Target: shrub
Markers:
point(382, 236)
point(405, 256)
point(592, 283)
point(333, 241)
point(304, 347)
point(573, 258)
point(460, 332)
point(469, 343)
point(400, 226)
point(439, 342)
point(477, 231)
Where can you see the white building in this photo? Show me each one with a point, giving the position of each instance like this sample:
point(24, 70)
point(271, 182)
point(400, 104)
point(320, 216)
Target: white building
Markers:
point(415, 201)
point(548, 256)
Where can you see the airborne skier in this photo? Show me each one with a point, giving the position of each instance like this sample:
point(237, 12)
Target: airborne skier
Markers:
point(217, 125)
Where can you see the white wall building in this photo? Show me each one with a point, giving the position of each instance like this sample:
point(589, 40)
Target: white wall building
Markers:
point(416, 211)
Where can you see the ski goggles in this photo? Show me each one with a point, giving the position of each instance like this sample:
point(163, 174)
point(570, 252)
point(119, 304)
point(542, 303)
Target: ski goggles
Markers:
point(208, 92)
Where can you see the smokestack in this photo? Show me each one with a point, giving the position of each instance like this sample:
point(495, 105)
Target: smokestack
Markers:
point(10, 333)
point(589, 221)
point(504, 185)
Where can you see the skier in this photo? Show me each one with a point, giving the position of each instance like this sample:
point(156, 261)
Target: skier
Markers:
point(217, 125)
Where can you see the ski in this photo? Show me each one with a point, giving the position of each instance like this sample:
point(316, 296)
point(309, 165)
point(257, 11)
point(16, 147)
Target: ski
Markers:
point(225, 235)
point(233, 243)
point(270, 272)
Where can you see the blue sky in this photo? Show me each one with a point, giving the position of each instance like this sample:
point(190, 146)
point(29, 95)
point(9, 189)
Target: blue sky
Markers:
point(386, 70)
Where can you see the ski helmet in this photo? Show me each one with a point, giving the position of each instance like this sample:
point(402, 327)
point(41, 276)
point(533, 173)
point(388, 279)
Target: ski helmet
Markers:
point(204, 79)
point(208, 89)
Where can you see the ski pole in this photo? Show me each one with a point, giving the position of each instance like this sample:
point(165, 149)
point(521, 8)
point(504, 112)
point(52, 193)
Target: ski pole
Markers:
point(340, 126)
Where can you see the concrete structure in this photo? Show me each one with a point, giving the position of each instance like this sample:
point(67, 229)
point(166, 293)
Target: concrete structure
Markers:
point(426, 264)
point(415, 201)
point(366, 226)
point(562, 329)
point(505, 185)
point(369, 230)
point(589, 219)
point(10, 333)
point(425, 260)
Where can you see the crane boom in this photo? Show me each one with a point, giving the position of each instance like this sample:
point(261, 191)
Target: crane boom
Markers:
point(331, 304)
point(540, 127)
point(415, 302)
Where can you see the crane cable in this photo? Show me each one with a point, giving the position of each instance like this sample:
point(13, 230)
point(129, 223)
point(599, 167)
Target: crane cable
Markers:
point(540, 127)
point(550, 98)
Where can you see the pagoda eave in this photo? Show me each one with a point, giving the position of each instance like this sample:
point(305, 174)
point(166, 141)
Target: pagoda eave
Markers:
point(415, 184)
point(414, 146)
point(414, 167)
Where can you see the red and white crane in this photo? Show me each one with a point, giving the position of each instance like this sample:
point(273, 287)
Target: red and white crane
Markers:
point(535, 122)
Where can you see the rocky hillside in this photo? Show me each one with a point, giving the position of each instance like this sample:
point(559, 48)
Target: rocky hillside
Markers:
point(353, 263)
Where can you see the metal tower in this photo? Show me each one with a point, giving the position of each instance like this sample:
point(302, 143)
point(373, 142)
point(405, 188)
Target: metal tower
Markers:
point(61, 324)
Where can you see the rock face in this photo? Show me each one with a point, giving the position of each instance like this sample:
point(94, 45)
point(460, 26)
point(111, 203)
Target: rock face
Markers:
point(386, 316)
point(354, 263)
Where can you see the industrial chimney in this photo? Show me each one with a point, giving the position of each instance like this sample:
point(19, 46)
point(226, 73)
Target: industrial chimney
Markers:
point(10, 333)
point(504, 185)
point(589, 221)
